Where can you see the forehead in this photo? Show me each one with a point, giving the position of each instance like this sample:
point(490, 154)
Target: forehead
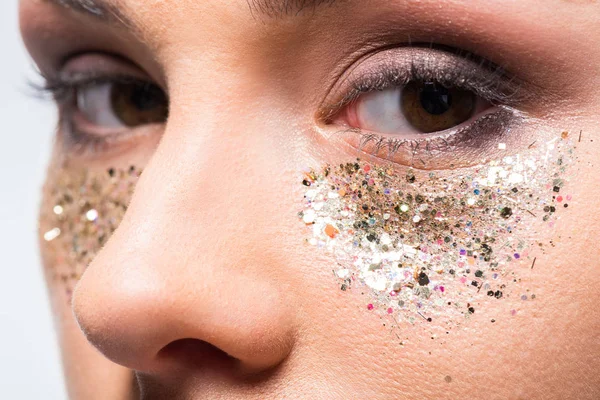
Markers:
point(111, 9)
point(283, 9)
point(545, 22)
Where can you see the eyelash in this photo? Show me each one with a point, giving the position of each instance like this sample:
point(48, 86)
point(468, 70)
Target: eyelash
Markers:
point(63, 90)
point(484, 78)
point(489, 80)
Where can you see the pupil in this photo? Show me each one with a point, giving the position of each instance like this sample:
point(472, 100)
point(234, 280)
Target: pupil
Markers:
point(146, 97)
point(435, 99)
point(138, 104)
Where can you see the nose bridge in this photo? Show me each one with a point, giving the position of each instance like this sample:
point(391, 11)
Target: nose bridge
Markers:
point(199, 252)
point(216, 180)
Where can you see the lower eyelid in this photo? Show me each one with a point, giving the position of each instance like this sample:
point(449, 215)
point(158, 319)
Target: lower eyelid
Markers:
point(77, 144)
point(82, 139)
point(470, 145)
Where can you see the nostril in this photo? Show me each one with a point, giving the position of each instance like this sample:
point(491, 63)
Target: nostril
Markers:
point(196, 354)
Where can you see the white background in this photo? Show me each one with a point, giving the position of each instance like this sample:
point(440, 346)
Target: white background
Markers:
point(29, 357)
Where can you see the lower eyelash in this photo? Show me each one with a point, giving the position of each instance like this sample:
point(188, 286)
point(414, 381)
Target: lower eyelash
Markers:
point(85, 144)
point(76, 142)
point(63, 91)
point(482, 134)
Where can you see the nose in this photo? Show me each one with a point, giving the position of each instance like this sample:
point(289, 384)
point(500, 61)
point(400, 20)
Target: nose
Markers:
point(195, 274)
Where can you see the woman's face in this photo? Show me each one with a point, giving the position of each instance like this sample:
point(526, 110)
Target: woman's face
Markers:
point(323, 199)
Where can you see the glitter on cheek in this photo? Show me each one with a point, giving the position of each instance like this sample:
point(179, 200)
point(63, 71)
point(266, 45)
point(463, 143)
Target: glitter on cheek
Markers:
point(425, 244)
point(81, 210)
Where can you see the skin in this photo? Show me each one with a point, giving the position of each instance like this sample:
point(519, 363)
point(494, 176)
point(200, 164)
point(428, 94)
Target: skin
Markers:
point(211, 260)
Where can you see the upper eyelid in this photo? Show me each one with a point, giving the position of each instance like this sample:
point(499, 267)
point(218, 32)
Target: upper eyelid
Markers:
point(484, 77)
point(78, 141)
point(99, 64)
point(383, 77)
point(60, 88)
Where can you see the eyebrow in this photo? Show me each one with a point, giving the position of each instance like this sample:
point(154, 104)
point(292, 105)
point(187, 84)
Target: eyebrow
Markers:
point(96, 9)
point(109, 12)
point(284, 8)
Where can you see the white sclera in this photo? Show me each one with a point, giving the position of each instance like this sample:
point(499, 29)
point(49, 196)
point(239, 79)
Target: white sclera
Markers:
point(95, 102)
point(380, 111)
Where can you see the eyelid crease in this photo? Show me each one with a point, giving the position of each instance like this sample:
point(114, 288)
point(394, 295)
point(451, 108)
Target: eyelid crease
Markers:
point(114, 68)
point(457, 69)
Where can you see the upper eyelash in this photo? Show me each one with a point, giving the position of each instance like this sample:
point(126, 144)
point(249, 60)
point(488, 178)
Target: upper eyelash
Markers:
point(489, 81)
point(460, 70)
point(483, 77)
point(61, 89)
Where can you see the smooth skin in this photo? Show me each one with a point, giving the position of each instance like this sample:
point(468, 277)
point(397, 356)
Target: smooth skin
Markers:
point(208, 289)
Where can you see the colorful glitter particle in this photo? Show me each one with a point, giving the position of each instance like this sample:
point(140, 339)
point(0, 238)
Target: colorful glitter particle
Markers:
point(423, 243)
point(52, 234)
point(86, 208)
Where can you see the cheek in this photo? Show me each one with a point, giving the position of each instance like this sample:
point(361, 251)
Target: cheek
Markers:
point(80, 211)
point(439, 247)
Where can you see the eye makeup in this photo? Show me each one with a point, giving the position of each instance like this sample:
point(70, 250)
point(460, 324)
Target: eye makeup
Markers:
point(377, 110)
point(452, 68)
point(462, 146)
point(82, 210)
point(438, 245)
point(106, 104)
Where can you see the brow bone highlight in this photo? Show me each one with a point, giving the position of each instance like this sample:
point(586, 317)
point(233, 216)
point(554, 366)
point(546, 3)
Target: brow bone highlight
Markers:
point(283, 8)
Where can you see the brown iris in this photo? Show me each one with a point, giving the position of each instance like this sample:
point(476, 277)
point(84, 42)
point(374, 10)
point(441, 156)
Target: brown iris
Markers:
point(139, 103)
point(431, 107)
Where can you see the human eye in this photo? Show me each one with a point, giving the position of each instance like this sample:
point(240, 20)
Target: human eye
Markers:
point(428, 108)
point(105, 105)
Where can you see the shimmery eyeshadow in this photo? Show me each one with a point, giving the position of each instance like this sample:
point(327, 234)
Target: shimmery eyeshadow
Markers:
point(433, 244)
point(83, 209)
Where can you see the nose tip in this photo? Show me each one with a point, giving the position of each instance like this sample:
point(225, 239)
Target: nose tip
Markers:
point(150, 323)
point(196, 262)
